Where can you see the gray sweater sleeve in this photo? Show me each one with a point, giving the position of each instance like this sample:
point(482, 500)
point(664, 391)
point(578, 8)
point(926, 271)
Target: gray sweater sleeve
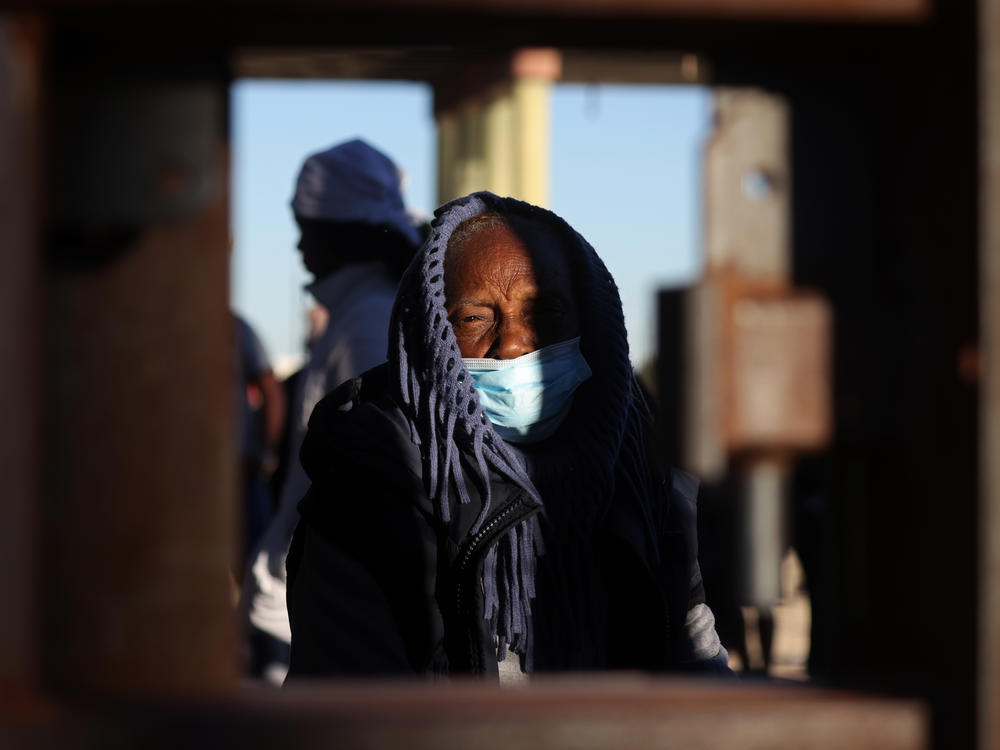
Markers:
point(702, 647)
point(705, 647)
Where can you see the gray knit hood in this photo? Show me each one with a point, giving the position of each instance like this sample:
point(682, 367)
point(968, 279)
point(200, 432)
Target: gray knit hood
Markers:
point(572, 474)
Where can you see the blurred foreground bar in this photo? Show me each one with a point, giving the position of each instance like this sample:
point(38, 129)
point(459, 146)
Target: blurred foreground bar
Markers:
point(119, 501)
point(612, 712)
point(138, 504)
point(20, 396)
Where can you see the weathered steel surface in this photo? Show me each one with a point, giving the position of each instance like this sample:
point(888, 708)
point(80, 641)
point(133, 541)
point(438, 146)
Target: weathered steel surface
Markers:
point(758, 350)
point(762, 512)
point(20, 351)
point(580, 713)
point(436, 63)
point(988, 688)
point(747, 176)
point(139, 502)
point(779, 361)
point(702, 444)
point(856, 10)
point(143, 153)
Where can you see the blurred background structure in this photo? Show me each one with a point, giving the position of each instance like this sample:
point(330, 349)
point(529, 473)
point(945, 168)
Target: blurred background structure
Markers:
point(838, 362)
point(631, 191)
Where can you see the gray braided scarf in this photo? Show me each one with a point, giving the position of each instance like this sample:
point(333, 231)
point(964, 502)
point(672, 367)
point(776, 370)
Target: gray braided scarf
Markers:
point(572, 475)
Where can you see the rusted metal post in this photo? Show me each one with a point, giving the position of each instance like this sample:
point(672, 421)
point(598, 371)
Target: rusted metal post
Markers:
point(20, 350)
point(763, 534)
point(139, 431)
point(988, 661)
point(747, 230)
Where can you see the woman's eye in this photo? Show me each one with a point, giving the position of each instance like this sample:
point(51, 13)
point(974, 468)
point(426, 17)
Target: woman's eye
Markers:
point(461, 318)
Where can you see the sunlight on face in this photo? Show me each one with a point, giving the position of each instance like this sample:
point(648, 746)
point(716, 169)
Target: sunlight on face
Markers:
point(509, 292)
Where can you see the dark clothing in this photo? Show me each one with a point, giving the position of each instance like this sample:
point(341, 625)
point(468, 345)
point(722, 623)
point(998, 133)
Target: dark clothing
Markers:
point(252, 362)
point(258, 504)
point(377, 584)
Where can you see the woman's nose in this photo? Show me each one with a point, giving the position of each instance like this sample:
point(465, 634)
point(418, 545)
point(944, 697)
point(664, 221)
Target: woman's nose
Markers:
point(516, 337)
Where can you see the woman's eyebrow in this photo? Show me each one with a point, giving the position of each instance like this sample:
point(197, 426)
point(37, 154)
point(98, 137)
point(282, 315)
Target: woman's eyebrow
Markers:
point(470, 302)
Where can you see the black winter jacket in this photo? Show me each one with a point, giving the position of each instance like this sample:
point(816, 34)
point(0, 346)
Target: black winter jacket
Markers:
point(378, 585)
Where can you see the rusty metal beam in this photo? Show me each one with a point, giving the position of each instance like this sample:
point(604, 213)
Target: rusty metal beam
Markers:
point(21, 40)
point(810, 10)
point(438, 63)
point(560, 714)
point(988, 688)
point(140, 495)
point(800, 10)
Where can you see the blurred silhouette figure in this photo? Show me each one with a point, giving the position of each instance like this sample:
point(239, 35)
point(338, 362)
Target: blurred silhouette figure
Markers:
point(261, 411)
point(317, 317)
point(356, 240)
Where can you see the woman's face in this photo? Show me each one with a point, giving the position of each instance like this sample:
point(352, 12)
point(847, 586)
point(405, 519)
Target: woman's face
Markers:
point(506, 298)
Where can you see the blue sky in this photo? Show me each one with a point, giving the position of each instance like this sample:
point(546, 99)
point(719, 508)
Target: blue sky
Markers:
point(625, 173)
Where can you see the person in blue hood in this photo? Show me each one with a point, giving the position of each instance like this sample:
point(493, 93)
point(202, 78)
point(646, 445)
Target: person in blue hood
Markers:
point(489, 501)
point(356, 239)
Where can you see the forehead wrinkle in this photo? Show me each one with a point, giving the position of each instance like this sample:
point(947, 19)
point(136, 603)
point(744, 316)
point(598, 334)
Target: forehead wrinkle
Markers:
point(501, 259)
point(518, 289)
point(509, 276)
point(493, 263)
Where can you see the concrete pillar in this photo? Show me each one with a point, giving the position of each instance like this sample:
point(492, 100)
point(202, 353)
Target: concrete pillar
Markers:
point(532, 131)
point(502, 148)
point(494, 128)
point(447, 155)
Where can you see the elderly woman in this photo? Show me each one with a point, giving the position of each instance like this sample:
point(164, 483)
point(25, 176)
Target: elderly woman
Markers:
point(492, 488)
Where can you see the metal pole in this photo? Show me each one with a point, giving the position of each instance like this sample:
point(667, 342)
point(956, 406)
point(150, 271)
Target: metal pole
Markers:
point(988, 661)
point(140, 461)
point(762, 541)
point(20, 349)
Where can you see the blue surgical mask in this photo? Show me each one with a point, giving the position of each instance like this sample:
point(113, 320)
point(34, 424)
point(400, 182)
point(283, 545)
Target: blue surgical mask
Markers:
point(528, 397)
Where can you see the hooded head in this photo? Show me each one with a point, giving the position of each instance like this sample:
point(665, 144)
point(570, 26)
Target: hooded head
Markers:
point(572, 473)
point(349, 205)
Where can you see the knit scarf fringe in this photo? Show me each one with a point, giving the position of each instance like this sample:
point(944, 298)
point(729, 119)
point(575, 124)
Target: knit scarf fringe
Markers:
point(447, 420)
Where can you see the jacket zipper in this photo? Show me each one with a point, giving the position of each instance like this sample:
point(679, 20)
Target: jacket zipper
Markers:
point(474, 543)
point(489, 530)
